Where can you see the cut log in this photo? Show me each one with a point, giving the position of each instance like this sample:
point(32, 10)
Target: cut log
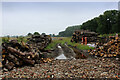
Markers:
point(13, 50)
point(109, 49)
point(16, 54)
point(9, 66)
point(21, 56)
point(13, 59)
point(78, 34)
point(39, 41)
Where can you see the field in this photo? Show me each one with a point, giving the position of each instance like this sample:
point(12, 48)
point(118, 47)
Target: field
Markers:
point(107, 35)
point(6, 39)
point(63, 40)
point(55, 40)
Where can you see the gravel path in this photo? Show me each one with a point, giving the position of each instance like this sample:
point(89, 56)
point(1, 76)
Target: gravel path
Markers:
point(80, 68)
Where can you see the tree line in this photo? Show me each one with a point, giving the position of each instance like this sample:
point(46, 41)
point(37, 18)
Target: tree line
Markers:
point(108, 22)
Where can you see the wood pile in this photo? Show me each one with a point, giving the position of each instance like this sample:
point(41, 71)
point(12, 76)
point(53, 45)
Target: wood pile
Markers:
point(39, 41)
point(16, 54)
point(109, 49)
point(78, 34)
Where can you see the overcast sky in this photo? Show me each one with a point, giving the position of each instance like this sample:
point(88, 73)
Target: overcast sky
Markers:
point(20, 18)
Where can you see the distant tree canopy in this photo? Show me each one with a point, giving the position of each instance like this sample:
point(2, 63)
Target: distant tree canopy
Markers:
point(36, 33)
point(29, 34)
point(43, 34)
point(69, 31)
point(104, 24)
point(107, 23)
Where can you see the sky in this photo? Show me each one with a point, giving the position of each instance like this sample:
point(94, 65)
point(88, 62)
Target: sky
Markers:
point(20, 18)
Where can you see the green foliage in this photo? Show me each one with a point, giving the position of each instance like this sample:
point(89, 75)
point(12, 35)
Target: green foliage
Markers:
point(29, 34)
point(21, 38)
point(43, 34)
point(90, 25)
point(104, 24)
point(53, 35)
point(36, 33)
point(67, 39)
point(5, 39)
point(107, 35)
point(107, 23)
point(69, 31)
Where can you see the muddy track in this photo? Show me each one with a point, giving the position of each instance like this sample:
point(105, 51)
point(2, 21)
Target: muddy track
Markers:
point(55, 53)
point(61, 49)
point(68, 51)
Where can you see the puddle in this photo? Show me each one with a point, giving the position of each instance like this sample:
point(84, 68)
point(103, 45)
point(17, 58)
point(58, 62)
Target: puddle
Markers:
point(62, 56)
point(64, 53)
point(60, 53)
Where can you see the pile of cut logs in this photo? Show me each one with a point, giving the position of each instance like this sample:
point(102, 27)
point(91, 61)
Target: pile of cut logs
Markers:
point(39, 41)
point(16, 54)
point(78, 34)
point(109, 49)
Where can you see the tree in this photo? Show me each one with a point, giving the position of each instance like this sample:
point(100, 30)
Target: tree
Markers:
point(69, 31)
point(43, 34)
point(90, 25)
point(108, 22)
point(104, 24)
point(53, 35)
point(29, 34)
point(36, 33)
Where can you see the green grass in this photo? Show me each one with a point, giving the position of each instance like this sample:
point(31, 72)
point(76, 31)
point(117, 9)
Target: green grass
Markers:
point(6, 39)
point(107, 35)
point(24, 39)
point(67, 39)
point(52, 45)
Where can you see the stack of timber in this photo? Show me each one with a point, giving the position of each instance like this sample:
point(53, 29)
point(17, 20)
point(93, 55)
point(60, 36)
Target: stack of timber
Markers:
point(16, 54)
point(109, 49)
point(79, 53)
point(78, 34)
point(39, 41)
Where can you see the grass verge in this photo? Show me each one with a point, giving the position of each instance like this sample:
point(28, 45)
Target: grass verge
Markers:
point(62, 40)
point(107, 35)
